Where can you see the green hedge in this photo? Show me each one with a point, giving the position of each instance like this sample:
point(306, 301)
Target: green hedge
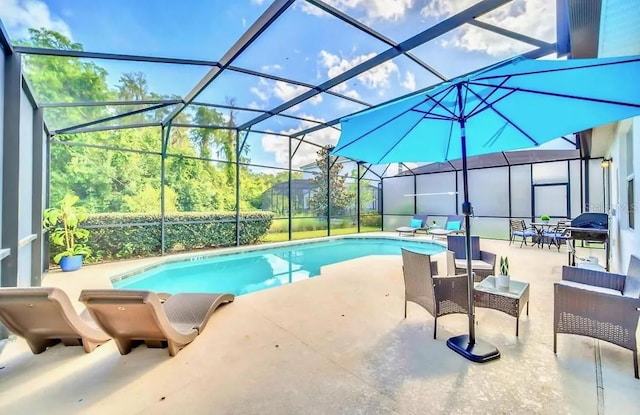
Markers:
point(371, 220)
point(112, 238)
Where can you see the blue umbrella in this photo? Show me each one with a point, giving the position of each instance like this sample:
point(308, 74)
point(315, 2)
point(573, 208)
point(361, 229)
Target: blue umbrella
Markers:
point(519, 103)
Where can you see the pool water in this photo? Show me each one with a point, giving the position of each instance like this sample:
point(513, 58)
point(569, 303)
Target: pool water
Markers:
point(247, 272)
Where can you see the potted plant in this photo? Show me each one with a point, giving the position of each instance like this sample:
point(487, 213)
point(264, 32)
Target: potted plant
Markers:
point(62, 223)
point(503, 279)
point(545, 218)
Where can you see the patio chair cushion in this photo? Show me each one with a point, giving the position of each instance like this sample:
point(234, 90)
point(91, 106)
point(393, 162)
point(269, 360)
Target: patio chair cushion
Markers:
point(415, 223)
point(588, 287)
point(453, 226)
point(475, 264)
point(524, 234)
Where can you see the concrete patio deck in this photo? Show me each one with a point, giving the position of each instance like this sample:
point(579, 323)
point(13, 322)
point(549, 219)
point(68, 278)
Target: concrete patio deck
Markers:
point(337, 343)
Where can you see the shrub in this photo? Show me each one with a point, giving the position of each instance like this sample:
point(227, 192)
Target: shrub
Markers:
point(308, 224)
point(130, 235)
point(371, 220)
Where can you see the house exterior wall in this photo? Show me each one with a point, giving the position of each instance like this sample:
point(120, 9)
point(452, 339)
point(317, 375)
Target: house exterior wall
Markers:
point(625, 240)
point(620, 36)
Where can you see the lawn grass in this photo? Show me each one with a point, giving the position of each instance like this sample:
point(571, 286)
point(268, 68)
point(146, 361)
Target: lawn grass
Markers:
point(284, 236)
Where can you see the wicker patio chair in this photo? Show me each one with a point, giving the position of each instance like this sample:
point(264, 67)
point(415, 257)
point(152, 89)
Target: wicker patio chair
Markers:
point(601, 305)
point(518, 229)
point(483, 263)
point(438, 295)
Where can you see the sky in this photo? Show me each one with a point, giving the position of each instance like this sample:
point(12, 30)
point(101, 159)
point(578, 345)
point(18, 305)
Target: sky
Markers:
point(305, 44)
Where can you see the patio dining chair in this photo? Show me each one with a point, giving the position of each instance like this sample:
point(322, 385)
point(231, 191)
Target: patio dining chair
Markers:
point(557, 234)
point(438, 295)
point(518, 229)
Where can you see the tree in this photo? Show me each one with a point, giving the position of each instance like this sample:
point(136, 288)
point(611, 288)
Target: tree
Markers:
point(367, 194)
point(337, 192)
point(203, 138)
point(133, 86)
point(64, 79)
point(111, 180)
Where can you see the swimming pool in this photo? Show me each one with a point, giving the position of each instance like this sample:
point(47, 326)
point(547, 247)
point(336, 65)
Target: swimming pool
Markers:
point(246, 272)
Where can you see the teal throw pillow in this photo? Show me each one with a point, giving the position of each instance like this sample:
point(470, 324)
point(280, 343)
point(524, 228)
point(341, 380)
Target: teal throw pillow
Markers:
point(453, 226)
point(415, 223)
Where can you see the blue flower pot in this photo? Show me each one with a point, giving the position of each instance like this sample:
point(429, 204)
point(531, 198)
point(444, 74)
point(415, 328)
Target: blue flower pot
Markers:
point(71, 263)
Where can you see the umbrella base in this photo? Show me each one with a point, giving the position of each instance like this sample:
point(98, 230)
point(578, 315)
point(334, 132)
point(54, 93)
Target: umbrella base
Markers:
point(479, 352)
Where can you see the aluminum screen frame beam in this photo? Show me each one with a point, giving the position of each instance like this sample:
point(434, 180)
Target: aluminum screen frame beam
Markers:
point(277, 8)
point(510, 34)
point(534, 54)
point(71, 129)
point(111, 56)
point(108, 103)
point(431, 33)
point(369, 31)
point(232, 107)
point(9, 233)
point(107, 128)
point(5, 42)
point(293, 82)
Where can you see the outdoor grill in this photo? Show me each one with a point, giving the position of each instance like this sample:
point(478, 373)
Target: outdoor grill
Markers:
point(589, 227)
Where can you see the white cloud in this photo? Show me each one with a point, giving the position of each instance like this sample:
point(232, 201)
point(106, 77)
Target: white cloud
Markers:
point(244, 22)
point(295, 108)
point(286, 91)
point(257, 2)
point(378, 77)
point(277, 145)
point(373, 9)
point(343, 87)
point(306, 154)
point(269, 68)
point(444, 8)
point(374, 78)
point(352, 93)
point(18, 16)
point(315, 100)
point(521, 16)
point(254, 106)
point(409, 81)
point(263, 96)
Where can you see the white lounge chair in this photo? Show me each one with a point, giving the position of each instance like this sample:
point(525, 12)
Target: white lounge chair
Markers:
point(454, 225)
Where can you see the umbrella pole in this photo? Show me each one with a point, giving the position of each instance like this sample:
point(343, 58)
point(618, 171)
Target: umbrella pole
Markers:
point(466, 344)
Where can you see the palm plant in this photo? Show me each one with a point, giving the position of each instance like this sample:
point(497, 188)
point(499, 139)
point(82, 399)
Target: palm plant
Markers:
point(62, 223)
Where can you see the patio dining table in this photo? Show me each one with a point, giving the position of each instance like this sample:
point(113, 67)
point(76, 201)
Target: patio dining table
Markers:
point(540, 228)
